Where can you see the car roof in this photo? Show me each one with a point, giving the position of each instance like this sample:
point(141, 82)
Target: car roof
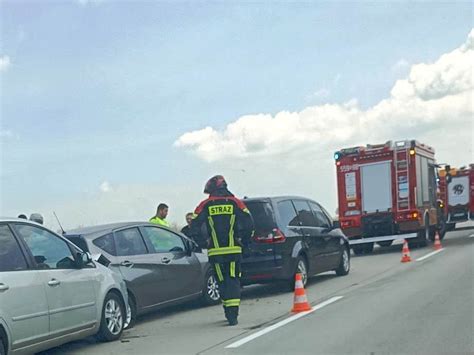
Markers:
point(14, 219)
point(102, 229)
point(275, 198)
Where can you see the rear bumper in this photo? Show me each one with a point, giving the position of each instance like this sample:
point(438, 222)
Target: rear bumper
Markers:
point(459, 215)
point(389, 228)
point(264, 269)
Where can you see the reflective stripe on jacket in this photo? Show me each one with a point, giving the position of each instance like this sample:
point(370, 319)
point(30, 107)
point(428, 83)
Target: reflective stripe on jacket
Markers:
point(228, 221)
point(159, 221)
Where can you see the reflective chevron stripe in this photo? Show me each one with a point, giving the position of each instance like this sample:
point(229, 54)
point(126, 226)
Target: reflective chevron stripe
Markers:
point(224, 251)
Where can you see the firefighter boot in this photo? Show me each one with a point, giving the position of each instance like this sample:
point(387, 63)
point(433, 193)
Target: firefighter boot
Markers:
point(232, 314)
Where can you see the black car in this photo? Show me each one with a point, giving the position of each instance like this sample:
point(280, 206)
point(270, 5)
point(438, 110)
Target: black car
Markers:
point(160, 267)
point(292, 234)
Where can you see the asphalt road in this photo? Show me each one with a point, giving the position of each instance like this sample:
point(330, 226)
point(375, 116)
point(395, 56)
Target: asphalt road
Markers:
point(425, 306)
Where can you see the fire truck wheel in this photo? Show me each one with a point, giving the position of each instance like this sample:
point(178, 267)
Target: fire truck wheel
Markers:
point(442, 233)
point(450, 227)
point(358, 249)
point(385, 243)
point(422, 237)
point(432, 233)
point(442, 227)
point(369, 248)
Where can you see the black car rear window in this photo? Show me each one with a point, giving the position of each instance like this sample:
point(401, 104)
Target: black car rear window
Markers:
point(262, 213)
point(287, 213)
point(106, 243)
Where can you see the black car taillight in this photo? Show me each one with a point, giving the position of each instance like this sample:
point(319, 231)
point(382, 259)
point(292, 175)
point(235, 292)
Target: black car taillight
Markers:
point(275, 236)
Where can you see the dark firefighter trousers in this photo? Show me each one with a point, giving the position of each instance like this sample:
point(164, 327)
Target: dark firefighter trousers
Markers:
point(228, 277)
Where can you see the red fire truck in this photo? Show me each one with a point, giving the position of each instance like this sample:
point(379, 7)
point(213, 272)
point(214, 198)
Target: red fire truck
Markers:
point(457, 191)
point(388, 192)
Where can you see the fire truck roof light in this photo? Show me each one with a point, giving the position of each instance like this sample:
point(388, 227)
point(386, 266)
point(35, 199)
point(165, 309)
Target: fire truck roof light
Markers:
point(412, 151)
point(337, 156)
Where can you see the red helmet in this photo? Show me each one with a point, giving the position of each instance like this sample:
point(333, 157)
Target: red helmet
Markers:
point(215, 183)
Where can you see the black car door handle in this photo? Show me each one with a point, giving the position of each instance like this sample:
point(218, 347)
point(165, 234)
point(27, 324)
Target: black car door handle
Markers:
point(4, 287)
point(165, 260)
point(126, 263)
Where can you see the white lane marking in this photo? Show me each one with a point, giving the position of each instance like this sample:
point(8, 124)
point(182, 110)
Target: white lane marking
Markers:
point(430, 254)
point(281, 323)
point(471, 236)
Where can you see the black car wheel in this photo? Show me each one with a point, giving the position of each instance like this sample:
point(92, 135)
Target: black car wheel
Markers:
point(345, 264)
point(113, 318)
point(210, 292)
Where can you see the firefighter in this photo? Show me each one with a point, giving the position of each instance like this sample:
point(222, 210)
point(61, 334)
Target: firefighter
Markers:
point(229, 225)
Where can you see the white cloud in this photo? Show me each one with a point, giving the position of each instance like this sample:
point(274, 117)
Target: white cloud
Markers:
point(433, 95)
point(105, 187)
point(4, 63)
point(291, 152)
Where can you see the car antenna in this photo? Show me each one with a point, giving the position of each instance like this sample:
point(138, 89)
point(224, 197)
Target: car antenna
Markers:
point(57, 219)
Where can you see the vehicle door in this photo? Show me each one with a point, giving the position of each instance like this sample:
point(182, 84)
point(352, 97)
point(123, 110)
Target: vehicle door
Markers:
point(23, 302)
point(331, 237)
point(317, 245)
point(70, 291)
point(290, 225)
point(140, 269)
point(181, 270)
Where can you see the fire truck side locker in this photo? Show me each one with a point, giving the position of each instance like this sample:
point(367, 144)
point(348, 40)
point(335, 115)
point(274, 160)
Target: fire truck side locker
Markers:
point(376, 187)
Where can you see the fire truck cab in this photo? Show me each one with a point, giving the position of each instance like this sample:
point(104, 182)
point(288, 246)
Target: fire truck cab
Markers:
point(457, 192)
point(388, 192)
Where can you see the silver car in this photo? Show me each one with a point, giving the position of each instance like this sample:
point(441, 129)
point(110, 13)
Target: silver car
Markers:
point(52, 293)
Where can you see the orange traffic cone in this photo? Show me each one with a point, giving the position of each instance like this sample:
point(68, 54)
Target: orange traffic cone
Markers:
point(405, 253)
point(300, 301)
point(437, 243)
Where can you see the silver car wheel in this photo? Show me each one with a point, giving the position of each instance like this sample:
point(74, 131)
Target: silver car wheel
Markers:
point(113, 317)
point(302, 270)
point(345, 260)
point(128, 318)
point(213, 288)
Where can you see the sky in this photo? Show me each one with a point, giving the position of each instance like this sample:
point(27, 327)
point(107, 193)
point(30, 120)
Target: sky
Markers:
point(108, 108)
